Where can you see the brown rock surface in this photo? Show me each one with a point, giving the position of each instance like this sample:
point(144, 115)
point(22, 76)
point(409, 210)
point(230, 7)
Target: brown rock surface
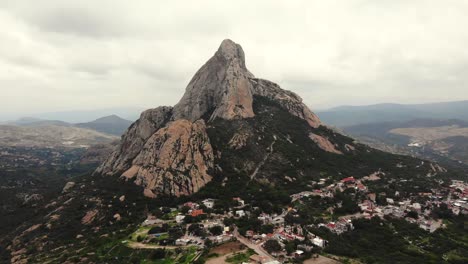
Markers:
point(133, 140)
point(176, 160)
point(221, 85)
point(324, 143)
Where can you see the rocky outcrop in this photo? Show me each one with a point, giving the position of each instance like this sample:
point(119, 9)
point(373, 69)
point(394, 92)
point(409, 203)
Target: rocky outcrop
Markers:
point(167, 150)
point(286, 99)
point(224, 88)
point(133, 140)
point(68, 186)
point(221, 88)
point(324, 143)
point(176, 160)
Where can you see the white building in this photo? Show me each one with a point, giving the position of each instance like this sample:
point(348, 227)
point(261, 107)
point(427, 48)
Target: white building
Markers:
point(240, 213)
point(179, 218)
point(319, 242)
point(209, 203)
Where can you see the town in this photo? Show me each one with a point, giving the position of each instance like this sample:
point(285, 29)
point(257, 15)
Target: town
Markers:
point(293, 235)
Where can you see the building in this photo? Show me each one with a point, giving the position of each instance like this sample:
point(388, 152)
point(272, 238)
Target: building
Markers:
point(240, 213)
point(319, 242)
point(209, 203)
point(179, 218)
point(196, 213)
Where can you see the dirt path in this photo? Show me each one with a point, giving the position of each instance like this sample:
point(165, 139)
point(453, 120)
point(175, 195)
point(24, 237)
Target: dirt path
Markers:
point(132, 244)
point(252, 176)
point(321, 260)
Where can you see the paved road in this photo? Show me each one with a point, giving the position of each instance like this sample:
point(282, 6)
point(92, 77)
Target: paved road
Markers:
point(257, 248)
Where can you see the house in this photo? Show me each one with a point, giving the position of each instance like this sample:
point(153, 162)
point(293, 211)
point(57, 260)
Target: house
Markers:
point(319, 242)
point(298, 253)
point(182, 242)
point(277, 220)
point(209, 203)
point(240, 213)
point(179, 218)
point(239, 200)
point(348, 180)
point(191, 205)
point(361, 187)
point(416, 206)
point(196, 213)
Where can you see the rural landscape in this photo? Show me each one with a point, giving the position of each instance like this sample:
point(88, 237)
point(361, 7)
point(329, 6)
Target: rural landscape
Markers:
point(181, 154)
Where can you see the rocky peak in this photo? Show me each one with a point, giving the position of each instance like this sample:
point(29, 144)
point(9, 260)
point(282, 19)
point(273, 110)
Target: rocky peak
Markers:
point(168, 150)
point(221, 88)
point(232, 51)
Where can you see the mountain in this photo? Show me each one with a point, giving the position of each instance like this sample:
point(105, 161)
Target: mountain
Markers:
point(353, 115)
point(168, 150)
point(83, 116)
point(31, 121)
point(112, 124)
point(231, 137)
point(51, 136)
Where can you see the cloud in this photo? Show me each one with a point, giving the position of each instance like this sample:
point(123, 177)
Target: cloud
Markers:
point(64, 55)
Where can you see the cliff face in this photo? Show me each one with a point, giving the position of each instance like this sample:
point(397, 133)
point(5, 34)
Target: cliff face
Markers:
point(220, 88)
point(175, 160)
point(133, 140)
point(167, 151)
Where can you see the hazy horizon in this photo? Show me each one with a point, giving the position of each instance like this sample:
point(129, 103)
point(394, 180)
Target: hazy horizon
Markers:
point(59, 57)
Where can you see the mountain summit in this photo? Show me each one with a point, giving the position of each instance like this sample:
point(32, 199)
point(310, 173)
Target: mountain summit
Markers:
point(220, 88)
point(168, 150)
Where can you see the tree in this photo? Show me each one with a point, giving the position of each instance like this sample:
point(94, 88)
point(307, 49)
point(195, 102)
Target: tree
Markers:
point(184, 209)
point(290, 247)
point(266, 229)
point(272, 246)
point(158, 253)
point(216, 230)
point(412, 214)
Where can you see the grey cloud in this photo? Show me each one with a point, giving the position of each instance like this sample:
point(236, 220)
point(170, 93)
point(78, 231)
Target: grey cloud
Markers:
point(108, 53)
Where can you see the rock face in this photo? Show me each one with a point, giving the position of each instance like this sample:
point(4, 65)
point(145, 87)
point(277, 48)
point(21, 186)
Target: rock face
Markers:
point(175, 160)
point(133, 140)
point(167, 150)
point(220, 88)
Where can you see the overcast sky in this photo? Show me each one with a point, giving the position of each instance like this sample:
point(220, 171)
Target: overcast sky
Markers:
point(70, 55)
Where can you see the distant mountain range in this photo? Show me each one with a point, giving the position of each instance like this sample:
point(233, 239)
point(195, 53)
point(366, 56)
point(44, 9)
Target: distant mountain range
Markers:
point(80, 116)
point(112, 124)
point(436, 139)
point(344, 116)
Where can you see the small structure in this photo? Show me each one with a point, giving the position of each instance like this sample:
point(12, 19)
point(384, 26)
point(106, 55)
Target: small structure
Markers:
point(240, 213)
point(209, 203)
point(196, 213)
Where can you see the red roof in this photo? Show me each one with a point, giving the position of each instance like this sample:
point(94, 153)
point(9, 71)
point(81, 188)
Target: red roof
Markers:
point(196, 213)
point(349, 179)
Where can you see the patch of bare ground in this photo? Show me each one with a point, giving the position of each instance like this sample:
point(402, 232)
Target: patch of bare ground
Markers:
point(321, 260)
point(227, 248)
